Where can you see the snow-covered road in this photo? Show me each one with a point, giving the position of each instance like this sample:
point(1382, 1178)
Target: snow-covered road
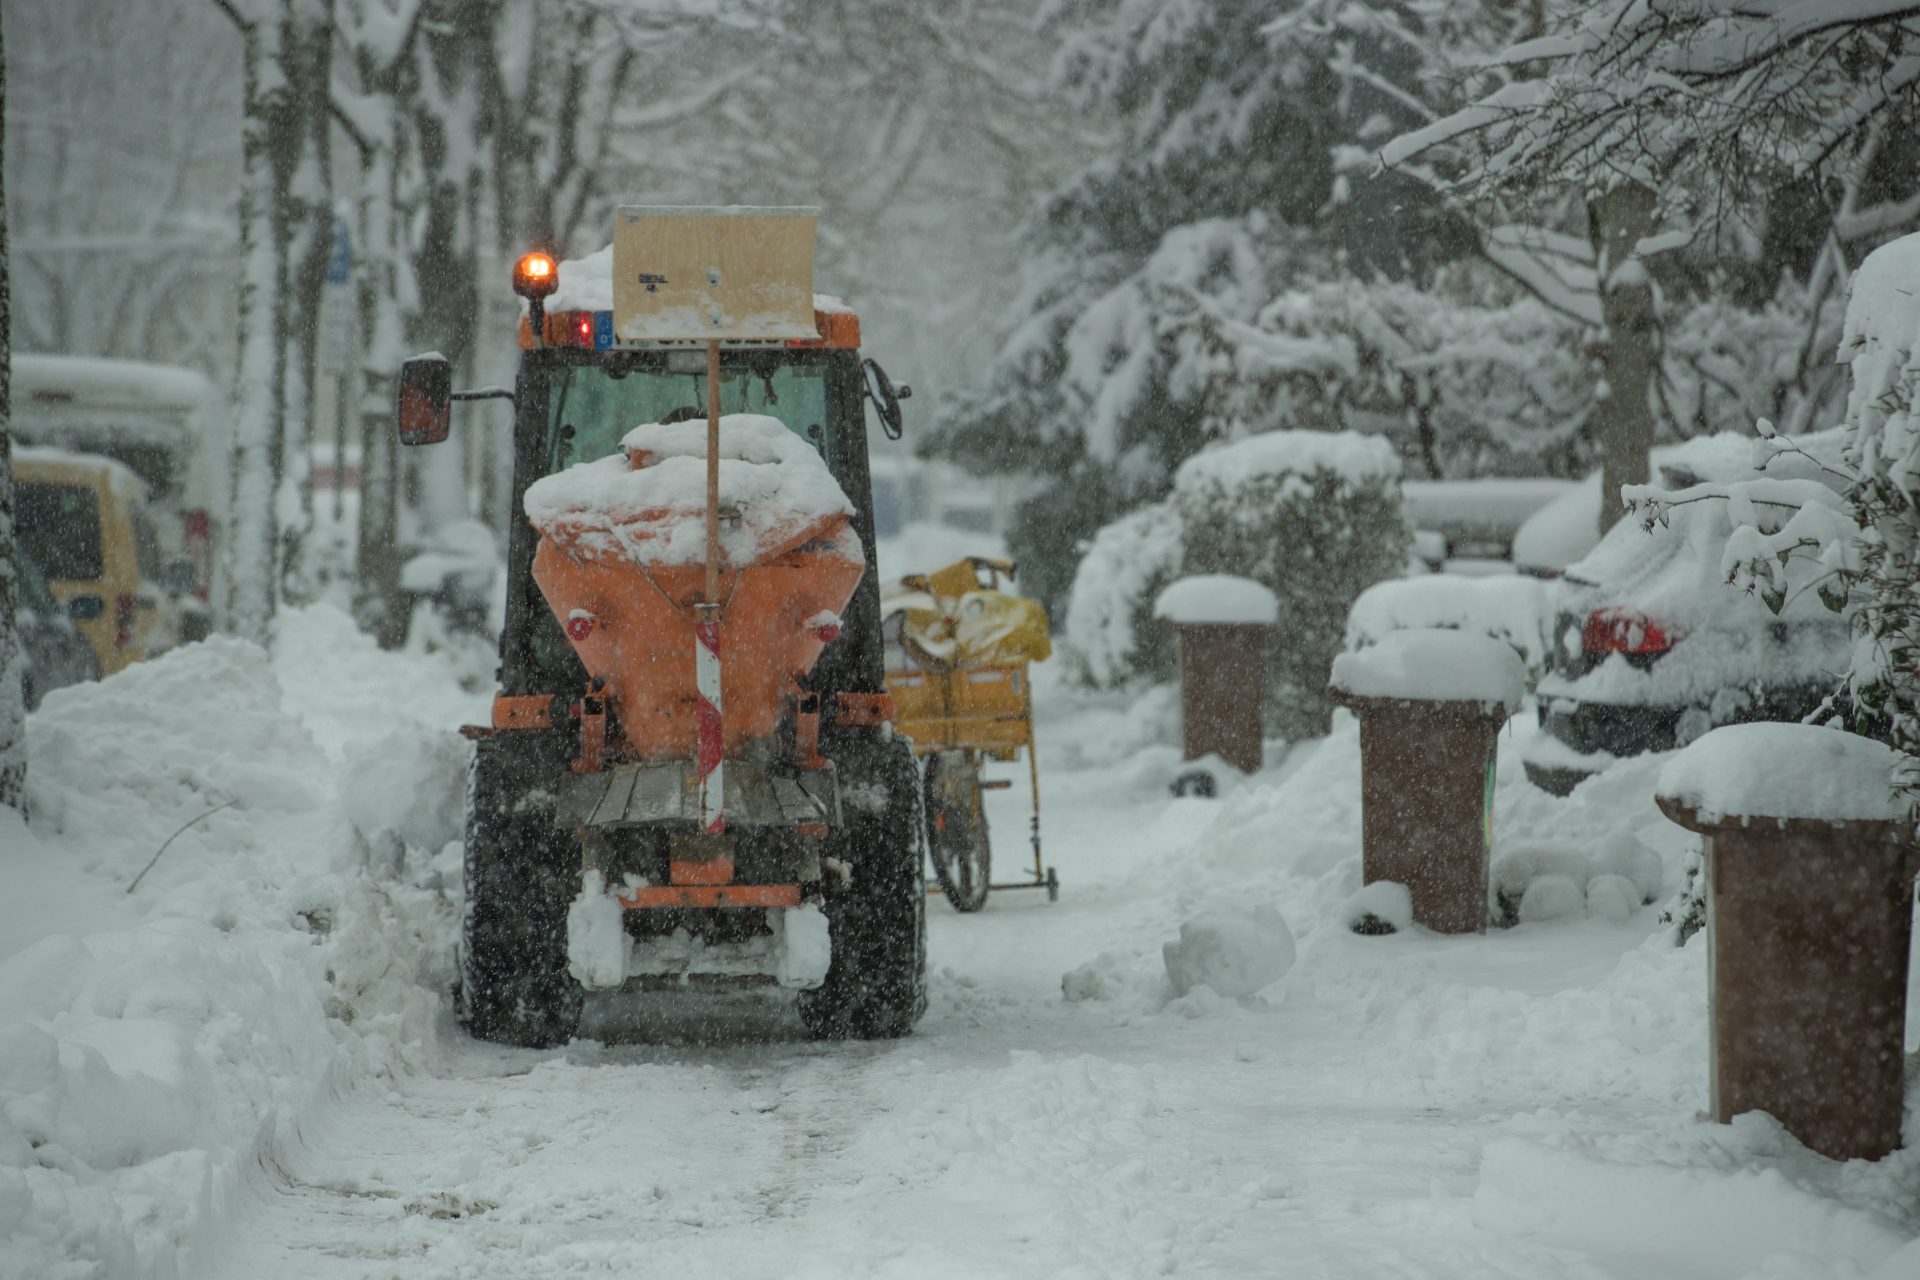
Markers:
point(1336, 1128)
point(249, 1069)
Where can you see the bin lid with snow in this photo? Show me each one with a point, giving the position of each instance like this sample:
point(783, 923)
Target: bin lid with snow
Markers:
point(1432, 664)
point(1784, 771)
point(1217, 599)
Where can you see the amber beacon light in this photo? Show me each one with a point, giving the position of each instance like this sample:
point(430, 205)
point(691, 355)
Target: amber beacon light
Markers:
point(535, 277)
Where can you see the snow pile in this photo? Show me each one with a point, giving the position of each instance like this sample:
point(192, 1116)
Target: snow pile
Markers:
point(1430, 664)
point(1507, 607)
point(1217, 598)
point(1785, 771)
point(597, 942)
point(153, 1046)
point(1236, 953)
point(1609, 878)
point(648, 504)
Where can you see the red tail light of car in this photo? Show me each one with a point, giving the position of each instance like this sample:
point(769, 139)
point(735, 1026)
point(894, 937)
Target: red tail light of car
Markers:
point(1619, 630)
point(122, 622)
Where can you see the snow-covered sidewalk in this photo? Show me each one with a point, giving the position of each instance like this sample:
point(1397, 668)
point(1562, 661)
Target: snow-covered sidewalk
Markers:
point(1525, 1104)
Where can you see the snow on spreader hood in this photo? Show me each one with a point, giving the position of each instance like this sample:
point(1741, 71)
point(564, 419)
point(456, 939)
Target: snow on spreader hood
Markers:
point(648, 503)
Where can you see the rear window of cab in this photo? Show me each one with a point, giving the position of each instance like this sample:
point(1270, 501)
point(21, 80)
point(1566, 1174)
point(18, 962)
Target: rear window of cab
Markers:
point(59, 527)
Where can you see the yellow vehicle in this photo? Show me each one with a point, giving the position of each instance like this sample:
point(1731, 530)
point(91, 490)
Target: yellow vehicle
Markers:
point(84, 520)
point(958, 649)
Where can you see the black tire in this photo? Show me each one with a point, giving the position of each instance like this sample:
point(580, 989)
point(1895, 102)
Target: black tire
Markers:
point(957, 841)
point(876, 985)
point(521, 876)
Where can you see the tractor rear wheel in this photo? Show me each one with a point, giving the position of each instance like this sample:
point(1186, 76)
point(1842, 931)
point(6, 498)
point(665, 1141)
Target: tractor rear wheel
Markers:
point(876, 985)
point(957, 829)
point(521, 876)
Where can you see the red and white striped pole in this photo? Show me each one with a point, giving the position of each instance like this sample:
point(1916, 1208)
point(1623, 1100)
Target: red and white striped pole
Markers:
point(709, 761)
point(709, 749)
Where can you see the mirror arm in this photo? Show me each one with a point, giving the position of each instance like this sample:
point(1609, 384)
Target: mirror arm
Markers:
point(484, 393)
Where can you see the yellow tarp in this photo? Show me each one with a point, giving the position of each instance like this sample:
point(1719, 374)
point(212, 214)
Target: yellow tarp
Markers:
point(951, 619)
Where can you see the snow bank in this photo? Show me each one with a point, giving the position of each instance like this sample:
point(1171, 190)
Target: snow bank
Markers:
point(1785, 771)
point(1430, 664)
point(649, 503)
point(1236, 953)
point(1705, 1211)
point(153, 1047)
point(1218, 598)
point(1507, 607)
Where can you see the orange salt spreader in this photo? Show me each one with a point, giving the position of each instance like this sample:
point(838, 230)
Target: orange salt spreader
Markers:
point(630, 612)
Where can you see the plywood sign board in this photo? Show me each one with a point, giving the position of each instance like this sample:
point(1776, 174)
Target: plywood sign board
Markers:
point(713, 274)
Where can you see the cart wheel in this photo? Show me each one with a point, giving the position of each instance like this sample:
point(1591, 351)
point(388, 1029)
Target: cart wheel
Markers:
point(1053, 886)
point(957, 829)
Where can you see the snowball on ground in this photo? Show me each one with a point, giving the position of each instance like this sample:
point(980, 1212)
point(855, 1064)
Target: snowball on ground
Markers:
point(1356, 458)
point(1217, 598)
point(649, 503)
point(1234, 952)
point(1785, 771)
point(1384, 902)
point(1611, 897)
point(1432, 665)
point(1507, 607)
point(1551, 897)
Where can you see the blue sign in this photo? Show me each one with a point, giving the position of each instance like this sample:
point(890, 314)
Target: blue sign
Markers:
point(602, 329)
point(340, 256)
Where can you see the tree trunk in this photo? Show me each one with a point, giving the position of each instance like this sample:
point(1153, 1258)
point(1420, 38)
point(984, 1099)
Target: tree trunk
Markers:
point(246, 587)
point(13, 707)
point(377, 605)
point(1623, 419)
point(308, 64)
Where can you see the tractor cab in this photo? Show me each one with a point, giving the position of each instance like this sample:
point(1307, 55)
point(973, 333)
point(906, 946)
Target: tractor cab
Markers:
point(689, 777)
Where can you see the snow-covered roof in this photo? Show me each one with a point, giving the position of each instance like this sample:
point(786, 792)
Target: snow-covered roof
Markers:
point(1219, 599)
point(586, 284)
point(119, 477)
point(1785, 771)
point(84, 381)
point(648, 502)
point(1432, 665)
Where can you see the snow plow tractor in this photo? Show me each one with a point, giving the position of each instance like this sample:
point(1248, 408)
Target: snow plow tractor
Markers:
point(689, 780)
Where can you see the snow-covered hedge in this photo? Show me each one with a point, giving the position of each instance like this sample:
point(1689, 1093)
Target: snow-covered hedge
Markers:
point(1313, 515)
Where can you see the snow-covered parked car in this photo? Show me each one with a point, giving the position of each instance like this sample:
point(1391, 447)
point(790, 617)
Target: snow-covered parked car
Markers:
point(1651, 647)
point(56, 653)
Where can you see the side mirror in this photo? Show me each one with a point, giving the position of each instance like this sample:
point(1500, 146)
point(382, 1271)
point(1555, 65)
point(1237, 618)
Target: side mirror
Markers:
point(886, 401)
point(86, 608)
point(425, 410)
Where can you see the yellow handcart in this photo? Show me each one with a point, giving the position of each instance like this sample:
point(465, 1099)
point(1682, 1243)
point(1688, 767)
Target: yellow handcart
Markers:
point(958, 654)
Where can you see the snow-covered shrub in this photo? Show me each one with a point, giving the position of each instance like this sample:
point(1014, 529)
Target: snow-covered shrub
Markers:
point(1111, 633)
point(1316, 517)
